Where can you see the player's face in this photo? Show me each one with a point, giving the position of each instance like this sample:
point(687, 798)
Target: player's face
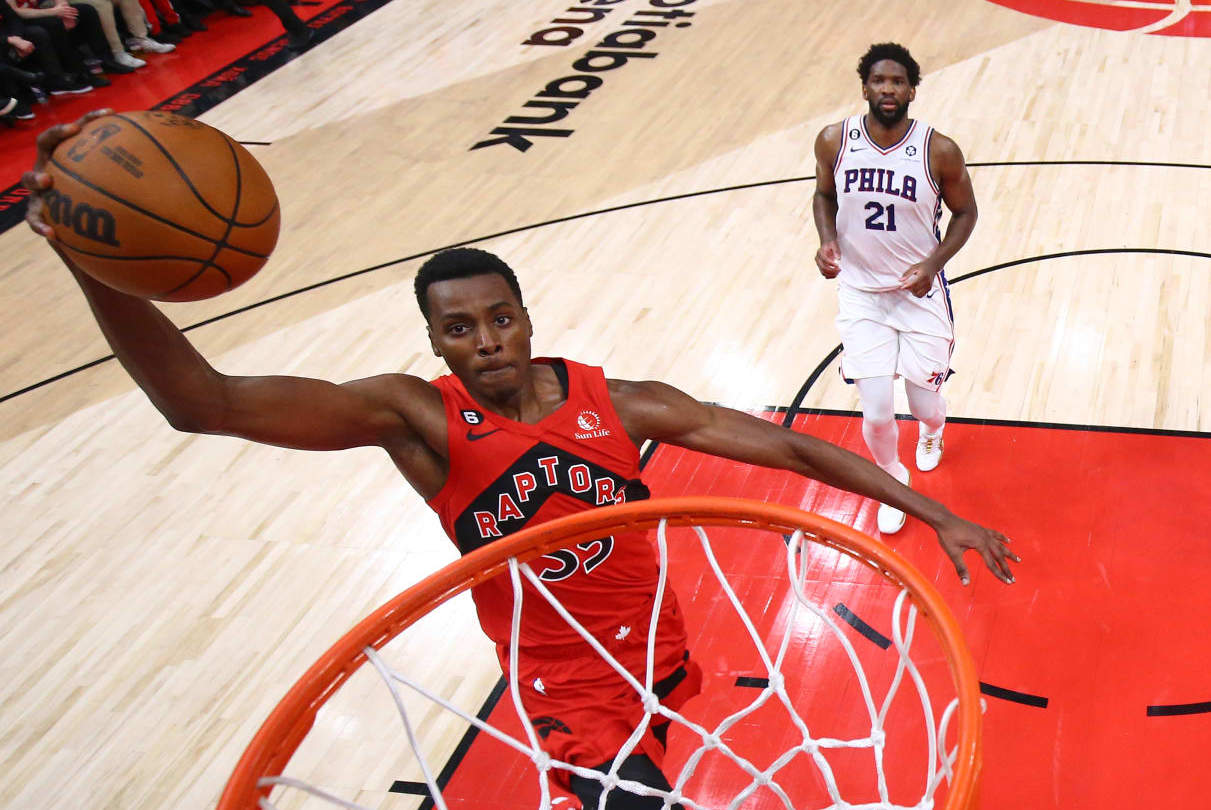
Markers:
point(482, 331)
point(888, 92)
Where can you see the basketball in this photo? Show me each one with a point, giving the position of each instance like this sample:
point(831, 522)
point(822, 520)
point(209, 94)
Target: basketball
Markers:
point(161, 206)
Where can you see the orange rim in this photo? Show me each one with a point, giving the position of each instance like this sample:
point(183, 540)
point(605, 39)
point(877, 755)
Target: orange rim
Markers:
point(283, 731)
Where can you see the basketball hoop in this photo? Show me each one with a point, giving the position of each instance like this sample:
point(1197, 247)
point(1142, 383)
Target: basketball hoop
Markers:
point(260, 769)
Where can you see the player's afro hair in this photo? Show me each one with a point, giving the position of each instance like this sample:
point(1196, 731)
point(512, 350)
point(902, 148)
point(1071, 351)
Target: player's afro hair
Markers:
point(460, 263)
point(894, 52)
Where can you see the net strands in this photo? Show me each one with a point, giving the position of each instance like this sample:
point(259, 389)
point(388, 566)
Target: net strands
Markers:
point(940, 764)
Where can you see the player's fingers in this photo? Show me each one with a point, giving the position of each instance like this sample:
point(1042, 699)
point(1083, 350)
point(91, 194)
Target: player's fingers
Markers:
point(91, 114)
point(36, 181)
point(960, 567)
point(1004, 547)
point(33, 217)
point(995, 560)
point(53, 136)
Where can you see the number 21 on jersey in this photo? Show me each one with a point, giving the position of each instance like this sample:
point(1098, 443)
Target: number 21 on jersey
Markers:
point(877, 221)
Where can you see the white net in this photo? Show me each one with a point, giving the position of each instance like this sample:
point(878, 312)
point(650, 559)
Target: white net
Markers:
point(773, 781)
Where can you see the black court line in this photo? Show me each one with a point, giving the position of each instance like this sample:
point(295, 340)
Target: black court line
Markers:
point(1136, 163)
point(752, 683)
point(883, 642)
point(1198, 254)
point(795, 408)
point(1014, 423)
point(374, 4)
point(1176, 709)
point(1025, 698)
point(864, 629)
point(410, 788)
point(456, 758)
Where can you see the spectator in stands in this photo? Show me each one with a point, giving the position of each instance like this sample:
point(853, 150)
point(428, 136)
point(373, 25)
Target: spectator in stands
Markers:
point(55, 34)
point(298, 34)
point(136, 24)
point(165, 23)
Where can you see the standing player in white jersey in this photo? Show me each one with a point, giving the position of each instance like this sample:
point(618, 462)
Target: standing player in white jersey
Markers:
point(881, 179)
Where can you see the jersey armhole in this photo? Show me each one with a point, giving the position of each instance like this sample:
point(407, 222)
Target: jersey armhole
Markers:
point(560, 367)
point(928, 151)
point(442, 495)
point(841, 147)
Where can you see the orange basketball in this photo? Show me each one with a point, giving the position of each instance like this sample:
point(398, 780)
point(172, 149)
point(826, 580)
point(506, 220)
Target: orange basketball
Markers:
point(161, 206)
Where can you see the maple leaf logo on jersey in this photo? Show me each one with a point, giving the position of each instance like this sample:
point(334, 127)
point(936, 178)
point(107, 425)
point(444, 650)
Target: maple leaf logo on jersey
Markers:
point(590, 423)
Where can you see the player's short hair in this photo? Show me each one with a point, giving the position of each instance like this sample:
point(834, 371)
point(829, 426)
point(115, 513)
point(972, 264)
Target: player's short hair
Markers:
point(894, 52)
point(460, 263)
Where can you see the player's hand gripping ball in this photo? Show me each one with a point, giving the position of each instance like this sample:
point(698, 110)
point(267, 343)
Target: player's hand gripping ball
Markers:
point(161, 206)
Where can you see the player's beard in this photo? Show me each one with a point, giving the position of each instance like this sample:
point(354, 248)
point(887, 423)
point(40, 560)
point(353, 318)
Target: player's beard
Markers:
point(888, 120)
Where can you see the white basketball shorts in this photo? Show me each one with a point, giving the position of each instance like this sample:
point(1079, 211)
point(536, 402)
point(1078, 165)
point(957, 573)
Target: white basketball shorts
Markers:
point(896, 334)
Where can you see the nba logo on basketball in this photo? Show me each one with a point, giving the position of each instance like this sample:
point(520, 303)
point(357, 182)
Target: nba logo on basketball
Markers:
point(83, 145)
point(590, 423)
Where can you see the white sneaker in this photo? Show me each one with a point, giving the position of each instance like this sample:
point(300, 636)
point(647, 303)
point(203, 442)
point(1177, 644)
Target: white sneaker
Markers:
point(891, 519)
point(929, 451)
point(149, 45)
point(126, 60)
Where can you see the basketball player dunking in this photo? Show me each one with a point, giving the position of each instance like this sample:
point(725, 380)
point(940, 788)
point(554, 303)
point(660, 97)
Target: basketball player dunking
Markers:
point(881, 179)
point(502, 441)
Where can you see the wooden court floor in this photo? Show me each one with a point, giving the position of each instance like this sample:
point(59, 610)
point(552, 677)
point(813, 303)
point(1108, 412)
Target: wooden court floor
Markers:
point(159, 592)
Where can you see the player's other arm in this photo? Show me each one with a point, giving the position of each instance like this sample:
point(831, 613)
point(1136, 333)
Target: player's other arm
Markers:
point(653, 410)
point(949, 169)
point(194, 397)
point(824, 201)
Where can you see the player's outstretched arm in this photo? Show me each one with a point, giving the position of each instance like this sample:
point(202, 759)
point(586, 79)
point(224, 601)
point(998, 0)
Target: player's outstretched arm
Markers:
point(652, 410)
point(287, 411)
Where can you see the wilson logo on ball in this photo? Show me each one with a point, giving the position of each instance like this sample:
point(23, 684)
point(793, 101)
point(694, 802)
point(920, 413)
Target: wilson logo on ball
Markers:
point(95, 224)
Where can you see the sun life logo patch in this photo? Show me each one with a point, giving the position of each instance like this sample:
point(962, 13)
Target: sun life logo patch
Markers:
point(589, 423)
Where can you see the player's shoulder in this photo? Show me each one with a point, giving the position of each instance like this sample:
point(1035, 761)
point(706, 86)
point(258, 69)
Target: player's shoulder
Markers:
point(831, 136)
point(944, 147)
point(647, 400)
point(398, 388)
point(633, 389)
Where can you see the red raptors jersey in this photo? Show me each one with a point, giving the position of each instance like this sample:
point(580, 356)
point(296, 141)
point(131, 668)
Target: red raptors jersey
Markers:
point(505, 474)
